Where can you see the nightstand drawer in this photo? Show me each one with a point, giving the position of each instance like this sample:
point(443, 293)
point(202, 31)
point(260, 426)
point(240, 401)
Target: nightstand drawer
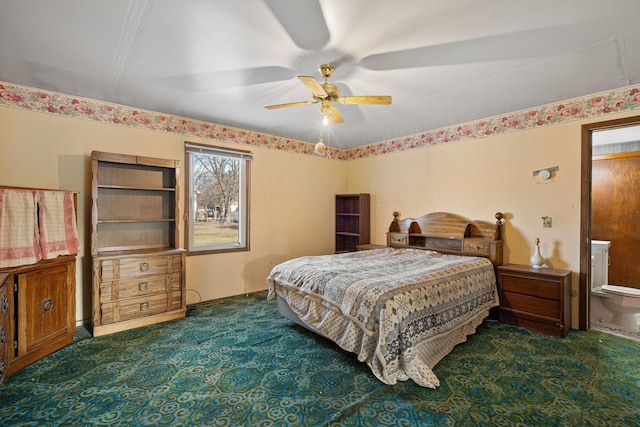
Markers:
point(531, 304)
point(530, 286)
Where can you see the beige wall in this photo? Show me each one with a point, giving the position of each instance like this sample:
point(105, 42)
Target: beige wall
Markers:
point(291, 195)
point(477, 178)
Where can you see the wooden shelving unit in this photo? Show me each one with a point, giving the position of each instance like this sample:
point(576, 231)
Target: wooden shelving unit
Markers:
point(352, 221)
point(138, 267)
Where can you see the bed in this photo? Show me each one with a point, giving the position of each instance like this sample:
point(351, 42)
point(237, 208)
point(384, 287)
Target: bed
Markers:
point(403, 307)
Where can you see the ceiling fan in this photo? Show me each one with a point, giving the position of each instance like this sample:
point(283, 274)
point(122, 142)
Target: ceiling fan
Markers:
point(326, 93)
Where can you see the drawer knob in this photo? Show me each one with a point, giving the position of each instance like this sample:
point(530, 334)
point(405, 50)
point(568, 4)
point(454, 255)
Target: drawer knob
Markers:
point(144, 266)
point(47, 305)
point(3, 336)
point(143, 286)
point(144, 307)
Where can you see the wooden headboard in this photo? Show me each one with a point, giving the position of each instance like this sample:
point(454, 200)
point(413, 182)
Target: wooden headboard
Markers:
point(449, 233)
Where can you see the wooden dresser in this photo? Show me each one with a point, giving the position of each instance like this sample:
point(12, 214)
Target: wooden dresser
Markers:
point(535, 298)
point(138, 266)
point(137, 290)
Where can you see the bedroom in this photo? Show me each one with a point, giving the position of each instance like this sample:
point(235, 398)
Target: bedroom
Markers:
point(292, 194)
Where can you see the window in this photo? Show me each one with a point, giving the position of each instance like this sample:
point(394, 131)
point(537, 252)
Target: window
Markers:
point(217, 199)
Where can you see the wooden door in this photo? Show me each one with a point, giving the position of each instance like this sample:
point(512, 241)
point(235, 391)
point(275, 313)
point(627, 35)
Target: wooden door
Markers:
point(43, 307)
point(615, 214)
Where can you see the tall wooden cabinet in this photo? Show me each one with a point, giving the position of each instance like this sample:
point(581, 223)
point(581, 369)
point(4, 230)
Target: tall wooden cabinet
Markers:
point(37, 308)
point(352, 221)
point(138, 267)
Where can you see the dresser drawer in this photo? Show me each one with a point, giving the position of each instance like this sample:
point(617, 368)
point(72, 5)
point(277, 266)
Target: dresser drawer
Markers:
point(128, 268)
point(479, 247)
point(112, 291)
point(118, 311)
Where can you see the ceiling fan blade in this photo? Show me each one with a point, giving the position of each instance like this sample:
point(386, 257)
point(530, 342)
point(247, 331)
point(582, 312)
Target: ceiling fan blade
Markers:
point(313, 86)
point(224, 79)
point(385, 100)
point(303, 20)
point(289, 104)
point(510, 46)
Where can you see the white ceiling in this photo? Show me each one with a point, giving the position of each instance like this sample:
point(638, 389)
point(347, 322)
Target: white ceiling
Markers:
point(222, 61)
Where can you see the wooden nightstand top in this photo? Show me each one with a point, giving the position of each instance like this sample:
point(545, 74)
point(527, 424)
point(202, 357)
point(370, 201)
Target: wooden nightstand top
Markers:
point(528, 269)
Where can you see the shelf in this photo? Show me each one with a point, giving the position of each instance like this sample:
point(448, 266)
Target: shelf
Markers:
point(129, 249)
point(352, 221)
point(125, 187)
point(105, 221)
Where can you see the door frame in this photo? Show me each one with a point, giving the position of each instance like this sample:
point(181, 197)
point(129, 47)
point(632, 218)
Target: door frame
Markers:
point(584, 317)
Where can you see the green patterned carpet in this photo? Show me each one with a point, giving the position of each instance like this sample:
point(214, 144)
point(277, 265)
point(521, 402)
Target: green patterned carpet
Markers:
point(238, 363)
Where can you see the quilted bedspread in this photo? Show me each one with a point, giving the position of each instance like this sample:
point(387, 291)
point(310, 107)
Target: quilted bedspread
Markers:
point(400, 310)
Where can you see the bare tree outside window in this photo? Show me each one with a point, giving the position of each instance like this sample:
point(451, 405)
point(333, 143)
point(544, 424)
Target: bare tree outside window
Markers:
point(218, 203)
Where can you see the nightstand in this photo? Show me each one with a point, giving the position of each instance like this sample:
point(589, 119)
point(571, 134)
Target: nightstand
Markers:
point(535, 298)
point(368, 246)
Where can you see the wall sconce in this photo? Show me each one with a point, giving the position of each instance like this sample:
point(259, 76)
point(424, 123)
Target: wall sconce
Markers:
point(546, 173)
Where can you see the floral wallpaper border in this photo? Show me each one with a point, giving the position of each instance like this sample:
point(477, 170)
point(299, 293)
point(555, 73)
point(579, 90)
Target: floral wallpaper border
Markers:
point(22, 97)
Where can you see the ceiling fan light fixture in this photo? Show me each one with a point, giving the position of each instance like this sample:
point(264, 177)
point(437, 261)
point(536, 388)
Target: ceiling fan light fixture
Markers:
point(320, 149)
point(326, 109)
point(326, 93)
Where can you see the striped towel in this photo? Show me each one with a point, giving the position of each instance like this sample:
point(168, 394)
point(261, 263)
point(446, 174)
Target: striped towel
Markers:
point(58, 232)
point(18, 228)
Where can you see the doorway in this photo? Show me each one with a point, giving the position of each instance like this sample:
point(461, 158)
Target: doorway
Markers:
point(588, 131)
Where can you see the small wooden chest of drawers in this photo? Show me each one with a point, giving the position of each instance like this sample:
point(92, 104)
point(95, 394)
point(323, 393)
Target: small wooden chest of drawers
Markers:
point(535, 298)
point(137, 289)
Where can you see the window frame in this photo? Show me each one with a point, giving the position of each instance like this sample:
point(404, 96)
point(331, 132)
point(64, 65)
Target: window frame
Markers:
point(244, 203)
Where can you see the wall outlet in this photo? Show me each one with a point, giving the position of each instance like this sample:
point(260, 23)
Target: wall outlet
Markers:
point(546, 221)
